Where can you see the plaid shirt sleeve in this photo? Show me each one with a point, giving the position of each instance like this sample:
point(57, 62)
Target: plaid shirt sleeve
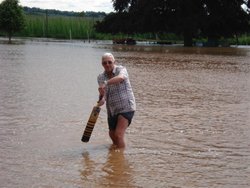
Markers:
point(100, 79)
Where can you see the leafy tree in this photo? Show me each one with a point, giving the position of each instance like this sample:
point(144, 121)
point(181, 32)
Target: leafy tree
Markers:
point(115, 23)
point(122, 5)
point(11, 17)
point(224, 18)
point(184, 18)
point(191, 18)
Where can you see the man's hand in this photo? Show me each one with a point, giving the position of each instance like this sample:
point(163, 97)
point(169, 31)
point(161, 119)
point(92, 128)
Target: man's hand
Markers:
point(101, 89)
point(101, 102)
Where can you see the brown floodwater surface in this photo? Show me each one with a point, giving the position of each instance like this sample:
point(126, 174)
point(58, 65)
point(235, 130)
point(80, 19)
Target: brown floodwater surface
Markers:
point(191, 128)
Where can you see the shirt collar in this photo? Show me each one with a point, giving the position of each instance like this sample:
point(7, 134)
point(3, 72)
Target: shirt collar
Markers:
point(114, 70)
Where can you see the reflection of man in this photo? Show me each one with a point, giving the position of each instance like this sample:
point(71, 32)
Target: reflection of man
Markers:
point(114, 171)
point(118, 171)
point(115, 89)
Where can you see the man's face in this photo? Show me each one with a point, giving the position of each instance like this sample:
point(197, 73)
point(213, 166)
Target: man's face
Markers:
point(108, 64)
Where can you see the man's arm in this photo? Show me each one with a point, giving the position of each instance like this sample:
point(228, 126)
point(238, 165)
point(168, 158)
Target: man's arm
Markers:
point(115, 80)
point(123, 74)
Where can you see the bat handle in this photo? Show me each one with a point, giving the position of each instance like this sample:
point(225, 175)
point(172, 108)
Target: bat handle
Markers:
point(100, 97)
point(98, 102)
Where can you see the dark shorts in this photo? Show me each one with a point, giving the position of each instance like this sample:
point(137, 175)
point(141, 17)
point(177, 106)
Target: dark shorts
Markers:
point(112, 120)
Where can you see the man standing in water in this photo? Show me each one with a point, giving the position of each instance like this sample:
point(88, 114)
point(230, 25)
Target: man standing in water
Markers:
point(116, 90)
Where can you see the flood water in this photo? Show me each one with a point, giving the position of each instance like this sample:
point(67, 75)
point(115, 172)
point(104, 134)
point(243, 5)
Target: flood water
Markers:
point(191, 128)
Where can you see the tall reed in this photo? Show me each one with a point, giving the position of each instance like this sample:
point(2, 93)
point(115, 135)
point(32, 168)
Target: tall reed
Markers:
point(59, 27)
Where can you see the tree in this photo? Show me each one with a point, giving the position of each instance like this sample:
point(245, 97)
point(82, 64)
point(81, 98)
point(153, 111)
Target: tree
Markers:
point(11, 17)
point(224, 18)
point(115, 23)
point(191, 18)
point(185, 18)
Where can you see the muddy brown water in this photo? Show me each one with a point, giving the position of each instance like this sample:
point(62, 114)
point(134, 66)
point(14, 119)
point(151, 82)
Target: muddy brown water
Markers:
point(191, 128)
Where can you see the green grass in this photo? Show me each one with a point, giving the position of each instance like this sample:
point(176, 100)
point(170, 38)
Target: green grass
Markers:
point(244, 39)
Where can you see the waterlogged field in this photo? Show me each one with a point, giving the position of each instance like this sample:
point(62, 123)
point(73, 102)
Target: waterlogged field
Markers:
point(191, 128)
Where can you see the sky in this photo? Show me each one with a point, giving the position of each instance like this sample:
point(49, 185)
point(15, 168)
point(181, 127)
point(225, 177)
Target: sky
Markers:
point(70, 5)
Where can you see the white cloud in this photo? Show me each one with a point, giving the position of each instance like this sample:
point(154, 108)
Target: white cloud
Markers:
point(70, 5)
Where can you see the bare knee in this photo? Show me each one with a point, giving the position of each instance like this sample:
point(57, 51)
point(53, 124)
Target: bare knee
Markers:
point(115, 136)
point(118, 135)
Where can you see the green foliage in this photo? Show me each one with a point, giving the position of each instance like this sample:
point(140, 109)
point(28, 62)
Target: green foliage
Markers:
point(11, 17)
point(243, 40)
point(58, 27)
point(224, 18)
point(190, 18)
point(115, 23)
point(119, 25)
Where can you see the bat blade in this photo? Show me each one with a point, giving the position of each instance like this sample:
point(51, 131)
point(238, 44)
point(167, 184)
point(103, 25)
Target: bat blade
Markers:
point(91, 123)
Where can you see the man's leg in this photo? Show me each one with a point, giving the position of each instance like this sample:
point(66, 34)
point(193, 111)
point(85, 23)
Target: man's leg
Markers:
point(112, 136)
point(122, 125)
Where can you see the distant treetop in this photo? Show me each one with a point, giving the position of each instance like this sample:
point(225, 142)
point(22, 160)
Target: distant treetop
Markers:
point(37, 11)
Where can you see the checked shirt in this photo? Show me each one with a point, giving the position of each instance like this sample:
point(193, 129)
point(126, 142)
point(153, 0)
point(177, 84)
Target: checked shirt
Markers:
point(119, 97)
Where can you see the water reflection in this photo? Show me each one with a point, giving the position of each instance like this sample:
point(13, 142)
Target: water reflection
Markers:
point(118, 170)
point(115, 171)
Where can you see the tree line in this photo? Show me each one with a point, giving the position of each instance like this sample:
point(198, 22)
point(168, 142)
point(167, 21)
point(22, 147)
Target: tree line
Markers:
point(39, 11)
point(189, 18)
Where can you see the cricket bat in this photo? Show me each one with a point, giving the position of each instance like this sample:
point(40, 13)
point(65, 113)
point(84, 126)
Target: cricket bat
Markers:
point(91, 123)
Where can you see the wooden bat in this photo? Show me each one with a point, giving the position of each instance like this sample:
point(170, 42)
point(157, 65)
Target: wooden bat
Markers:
point(91, 123)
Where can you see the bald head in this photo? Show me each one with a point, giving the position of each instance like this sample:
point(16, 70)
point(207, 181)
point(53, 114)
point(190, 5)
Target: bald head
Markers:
point(108, 55)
